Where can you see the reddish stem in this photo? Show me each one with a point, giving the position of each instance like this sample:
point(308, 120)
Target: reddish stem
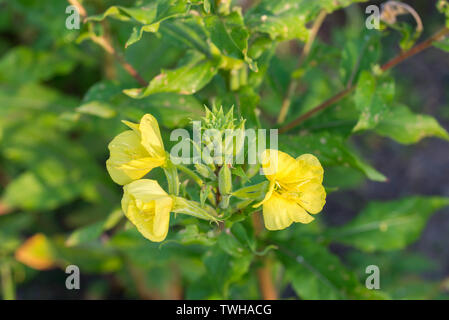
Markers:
point(390, 64)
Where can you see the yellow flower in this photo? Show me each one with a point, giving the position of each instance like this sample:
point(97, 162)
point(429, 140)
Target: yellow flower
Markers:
point(148, 207)
point(135, 152)
point(295, 189)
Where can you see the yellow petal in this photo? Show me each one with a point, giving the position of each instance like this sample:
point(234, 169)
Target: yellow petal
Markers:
point(151, 136)
point(310, 167)
point(148, 207)
point(311, 196)
point(123, 149)
point(162, 218)
point(133, 126)
point(136, 169)
point(279, 213)
point(129, 160)
point(267, 195)
point(142, 220)
point(287, 171)
point(145, 190)
point(278, 165)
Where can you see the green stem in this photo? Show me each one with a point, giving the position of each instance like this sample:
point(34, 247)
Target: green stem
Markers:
point(295, 82)
point(172, 178)
point(8, 290)
point(190, 173)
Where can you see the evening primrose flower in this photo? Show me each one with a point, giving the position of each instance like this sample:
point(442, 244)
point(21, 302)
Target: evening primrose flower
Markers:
point(295, 190)
point(148, 207)
point(136, 152)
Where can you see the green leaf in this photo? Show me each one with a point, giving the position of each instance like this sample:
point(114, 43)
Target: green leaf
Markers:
point(21, 65)
point(165, 10)
point(416, 289)
point(409, 34)
point(230, 35)
point(11, 226)
point(232, 246)
point(373, 98)
point(149, 16)
point(90, 258)
point(359, 54)
point(342, 178)
point(105, 99)
point(396, 266)
point(281, 20)
point(388, 225)
point(188, 33)
point(407, 127)
point(137, 33)
point(92, 232)
point(245, 234)
point(238, 171)
point(46, 186)
point(238, 240)
point(45, 17)
point(186, 80)
point(97, 108)
point(315, 273)
point(85, 234)
point(173, 110)
point(223, 269)
point(331, 150)
point(19, 102)
point(97, 99)
point(288, 19)
point(249, 100)
point(145, 14)
point(15, 223)
point(192, 235)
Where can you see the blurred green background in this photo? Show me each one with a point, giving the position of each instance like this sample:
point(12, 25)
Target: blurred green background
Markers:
point(56, 120)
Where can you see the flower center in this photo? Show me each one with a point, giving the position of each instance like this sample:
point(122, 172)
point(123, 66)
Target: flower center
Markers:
point(147, 209)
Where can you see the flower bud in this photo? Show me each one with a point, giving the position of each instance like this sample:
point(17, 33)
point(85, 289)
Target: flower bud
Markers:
point(252, 192)
point(194, 209)
point(224, 180)
point(224, 202)
point(205, 171)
